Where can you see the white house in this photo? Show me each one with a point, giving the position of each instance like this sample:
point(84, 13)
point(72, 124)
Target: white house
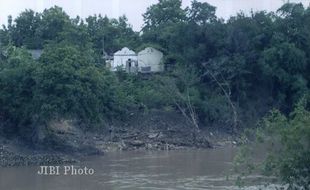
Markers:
point(150, 60)
point(123, 59)
point(35, 53)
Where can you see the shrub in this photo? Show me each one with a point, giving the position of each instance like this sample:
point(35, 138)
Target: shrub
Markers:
point(288, 140)
point(63, 87)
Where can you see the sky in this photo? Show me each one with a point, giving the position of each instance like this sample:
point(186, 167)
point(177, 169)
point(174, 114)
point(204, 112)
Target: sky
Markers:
point(133, 9)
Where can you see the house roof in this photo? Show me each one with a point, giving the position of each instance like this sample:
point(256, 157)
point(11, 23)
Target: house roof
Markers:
point(125, 52)
point(149, 50)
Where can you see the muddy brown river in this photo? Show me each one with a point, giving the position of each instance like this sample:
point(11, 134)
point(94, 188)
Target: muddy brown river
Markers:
point(160, 170)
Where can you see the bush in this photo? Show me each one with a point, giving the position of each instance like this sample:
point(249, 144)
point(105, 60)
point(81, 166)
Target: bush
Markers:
point(145, 92)
point(63, 87)
point(288, 140)
point(16, 86)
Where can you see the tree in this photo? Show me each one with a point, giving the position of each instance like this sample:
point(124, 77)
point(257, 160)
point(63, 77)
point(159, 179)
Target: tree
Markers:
point(17, 86)
point(285, 66)
point(111, 34)
point(287, 140)
point(164, 13)
point(71, 86)
point(54, 21)
point(180, 89)
point(65, 84)
point(26, 30)
point(201, 13)
point(291, 10)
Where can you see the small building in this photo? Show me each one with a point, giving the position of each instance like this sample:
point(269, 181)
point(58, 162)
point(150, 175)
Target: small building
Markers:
point(109, 63)
point(35, 53)
point(150, 60)
point(124, 59)
point(108, 60)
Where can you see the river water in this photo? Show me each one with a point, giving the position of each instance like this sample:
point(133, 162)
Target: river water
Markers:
point(159, 170)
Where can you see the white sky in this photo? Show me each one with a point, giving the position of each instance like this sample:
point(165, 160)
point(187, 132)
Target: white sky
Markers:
point(133, 9)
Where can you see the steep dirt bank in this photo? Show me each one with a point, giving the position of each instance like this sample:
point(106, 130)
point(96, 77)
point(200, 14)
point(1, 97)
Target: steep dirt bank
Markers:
point(14, 153)
point(153, 130)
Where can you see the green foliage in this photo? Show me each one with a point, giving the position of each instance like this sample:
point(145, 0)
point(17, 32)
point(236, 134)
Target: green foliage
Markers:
point(111, 34)
point(164, 13)
point(64, 85)
point(70, 84)
point(26, 30)
point(32, 29)
point(288, 142)
point(242, 67)
point(215, 110)
point(201, 13)
point(54, 21)
point(16, 84)
point(285, 65)
point(144, 93)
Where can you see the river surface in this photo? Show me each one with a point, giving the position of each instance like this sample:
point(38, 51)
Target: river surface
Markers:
point(160, 170)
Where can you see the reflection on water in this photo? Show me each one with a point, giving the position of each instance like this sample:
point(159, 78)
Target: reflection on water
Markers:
point(181, 170)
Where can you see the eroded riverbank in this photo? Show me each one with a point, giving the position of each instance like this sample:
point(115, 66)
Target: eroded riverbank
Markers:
point(67, 142)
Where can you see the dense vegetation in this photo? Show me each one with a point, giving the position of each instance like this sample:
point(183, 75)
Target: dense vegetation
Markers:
point(286, 140)
point(231, 72)
point(226, 74)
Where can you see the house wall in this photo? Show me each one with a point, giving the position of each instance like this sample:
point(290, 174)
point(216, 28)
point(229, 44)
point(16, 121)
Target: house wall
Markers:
point(120, 58)
point(150, 57)
point(35, 53)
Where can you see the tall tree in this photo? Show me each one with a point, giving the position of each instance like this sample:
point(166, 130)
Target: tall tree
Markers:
point(26, 30)
point(54, 21)
point(164, 13)
point(201, 13)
